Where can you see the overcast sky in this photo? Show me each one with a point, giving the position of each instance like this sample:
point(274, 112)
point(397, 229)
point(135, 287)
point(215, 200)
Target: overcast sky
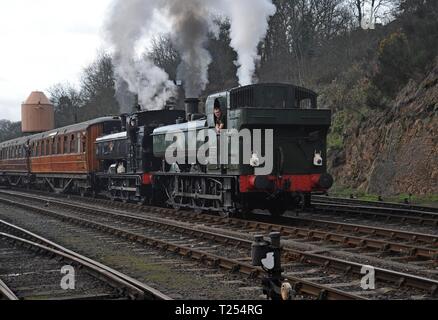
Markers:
point(44, 42)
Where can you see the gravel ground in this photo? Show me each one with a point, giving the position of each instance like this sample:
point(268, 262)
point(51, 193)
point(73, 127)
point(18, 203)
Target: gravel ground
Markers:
point(34, 276)
point(177, 277)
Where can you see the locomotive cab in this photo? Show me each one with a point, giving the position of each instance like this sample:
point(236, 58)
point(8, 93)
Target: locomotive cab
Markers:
point(298, 148)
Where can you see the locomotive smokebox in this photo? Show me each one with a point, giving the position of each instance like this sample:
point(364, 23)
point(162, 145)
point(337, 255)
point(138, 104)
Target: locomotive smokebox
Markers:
point(192, 107)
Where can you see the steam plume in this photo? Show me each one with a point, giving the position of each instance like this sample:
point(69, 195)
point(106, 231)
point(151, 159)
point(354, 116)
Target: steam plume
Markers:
point(125, 27)
point(249, 25)
point(191, 20)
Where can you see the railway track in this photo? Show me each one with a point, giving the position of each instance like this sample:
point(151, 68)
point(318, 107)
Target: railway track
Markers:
point(377, 210)
point(378, 204)
point(211, 249)
point(297, 263)
point(31, 270)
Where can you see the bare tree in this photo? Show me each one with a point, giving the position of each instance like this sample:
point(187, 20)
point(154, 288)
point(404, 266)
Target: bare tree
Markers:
point(67, 101)
point(297, 31)
point(9, 130)
point(98, 89)
point(370, 12)
point(164, 55)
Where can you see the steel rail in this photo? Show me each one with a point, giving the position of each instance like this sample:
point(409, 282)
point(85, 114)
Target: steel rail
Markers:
point(397, 278)
point(301, 286)
point(136, 289)
point(7, 293)
point(377, 204)
point(409, 216)
point(411, 250)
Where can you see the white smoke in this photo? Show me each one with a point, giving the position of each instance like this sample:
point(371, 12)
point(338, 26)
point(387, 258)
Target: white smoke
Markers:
point(128, 23)
point(249, 24)
point(191, 21)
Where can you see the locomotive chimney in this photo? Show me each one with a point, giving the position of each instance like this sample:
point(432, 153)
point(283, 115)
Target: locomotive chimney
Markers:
point(192, 107)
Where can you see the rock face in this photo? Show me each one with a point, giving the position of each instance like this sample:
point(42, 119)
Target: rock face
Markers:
point(395, 151)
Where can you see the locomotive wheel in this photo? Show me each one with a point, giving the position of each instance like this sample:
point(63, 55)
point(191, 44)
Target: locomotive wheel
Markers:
point(125, 196)
point(277, 211)
point(278, 208)
point(112, 195)
point(224, 214)
point(307, 201)
point(199, 203)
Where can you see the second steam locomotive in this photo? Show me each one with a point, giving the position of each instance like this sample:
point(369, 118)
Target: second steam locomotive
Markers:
point(126, 158)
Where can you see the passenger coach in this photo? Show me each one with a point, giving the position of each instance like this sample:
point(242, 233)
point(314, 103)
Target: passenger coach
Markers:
point(59, 160)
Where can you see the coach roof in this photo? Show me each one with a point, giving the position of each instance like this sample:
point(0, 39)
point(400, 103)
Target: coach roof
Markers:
point(60, 131)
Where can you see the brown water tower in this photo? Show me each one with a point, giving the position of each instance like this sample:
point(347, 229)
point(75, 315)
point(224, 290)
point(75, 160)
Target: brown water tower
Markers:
point(37, 114)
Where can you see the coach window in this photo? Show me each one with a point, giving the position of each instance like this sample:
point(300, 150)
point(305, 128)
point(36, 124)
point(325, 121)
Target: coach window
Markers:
point(66, 145)
point(58, 145)
point(84, 143)
point(61, 147)
point(54, 146)
point(72, 144)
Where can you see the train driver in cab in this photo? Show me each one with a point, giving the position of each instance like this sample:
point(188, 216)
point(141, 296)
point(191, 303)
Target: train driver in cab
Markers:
point(219, 117)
